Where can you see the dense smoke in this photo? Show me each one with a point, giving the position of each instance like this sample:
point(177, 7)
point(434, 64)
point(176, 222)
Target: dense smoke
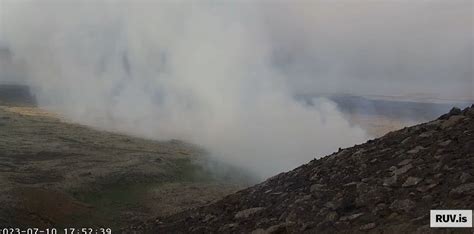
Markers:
point(405, 48)
point(223, 74)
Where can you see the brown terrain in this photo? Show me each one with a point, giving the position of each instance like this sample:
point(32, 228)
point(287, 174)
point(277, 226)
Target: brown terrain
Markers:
point(57, 174)
point(386, 185)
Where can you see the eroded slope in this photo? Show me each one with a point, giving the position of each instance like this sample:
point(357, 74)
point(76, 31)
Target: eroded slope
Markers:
point(385, 185)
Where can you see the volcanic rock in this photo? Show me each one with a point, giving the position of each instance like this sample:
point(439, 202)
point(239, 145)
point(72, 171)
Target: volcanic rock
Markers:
point(387, 185)
point(411, 181)
point(243, 214)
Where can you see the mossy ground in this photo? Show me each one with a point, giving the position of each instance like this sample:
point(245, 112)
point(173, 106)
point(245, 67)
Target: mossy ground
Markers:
point(119, 204)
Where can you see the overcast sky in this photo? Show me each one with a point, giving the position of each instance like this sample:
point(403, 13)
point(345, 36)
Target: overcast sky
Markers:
point(384, 47)
point(366, 47)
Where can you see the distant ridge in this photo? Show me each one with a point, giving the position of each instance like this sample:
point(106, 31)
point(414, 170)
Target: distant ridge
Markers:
point(398, 108)
point(16, 95)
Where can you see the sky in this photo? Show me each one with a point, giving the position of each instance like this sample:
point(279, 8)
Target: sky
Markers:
point(384, 47)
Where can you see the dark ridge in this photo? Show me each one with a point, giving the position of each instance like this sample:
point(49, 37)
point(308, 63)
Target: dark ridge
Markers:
point(405, 110)
point(19, 95)
point(386, 185)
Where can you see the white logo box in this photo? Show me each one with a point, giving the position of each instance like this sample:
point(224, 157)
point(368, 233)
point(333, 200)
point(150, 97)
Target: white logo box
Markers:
point(451, 218)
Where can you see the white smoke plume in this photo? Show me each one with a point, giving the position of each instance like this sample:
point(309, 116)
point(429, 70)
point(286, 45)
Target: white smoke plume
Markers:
point(218, 74)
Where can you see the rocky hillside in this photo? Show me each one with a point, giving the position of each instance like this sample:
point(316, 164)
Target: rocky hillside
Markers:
point(388, 184)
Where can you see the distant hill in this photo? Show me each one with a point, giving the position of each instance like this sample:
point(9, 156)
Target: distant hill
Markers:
point(16, 95)
point(396, 108)
point(385, 185)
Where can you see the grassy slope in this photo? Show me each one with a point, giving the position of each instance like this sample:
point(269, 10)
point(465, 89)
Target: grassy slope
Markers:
point(53, 173)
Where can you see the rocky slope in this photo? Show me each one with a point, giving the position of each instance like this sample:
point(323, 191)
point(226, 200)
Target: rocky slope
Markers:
point(385, 185)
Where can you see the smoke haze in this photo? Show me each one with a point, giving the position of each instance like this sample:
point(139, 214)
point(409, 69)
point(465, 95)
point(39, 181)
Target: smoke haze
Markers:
point(223, 74)
point(398, 48)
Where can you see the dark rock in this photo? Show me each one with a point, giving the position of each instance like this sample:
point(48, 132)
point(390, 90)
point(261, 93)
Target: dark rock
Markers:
point(405, 162)
point(258, 231)
point(243, 214)
point(469, 112)
point(463, 189)
point(465, 177)
point(453, 120)
point(452, 112)
point(279, 228)
point(351, 217)
point(415, 150)
point(403, 170)
point(411, 181)
point(228, 227)
point(405, 205)
point(445, 143)
point(316, 188)
point(332, 216)
point(380, 209)
point(406, 140)
point(427, 198)
point(426, 188)
point(390, 181)
point(455, 111)
point(427, 134)
point(368, 226)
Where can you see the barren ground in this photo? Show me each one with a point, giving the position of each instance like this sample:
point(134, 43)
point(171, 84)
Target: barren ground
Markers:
point(53, 173)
